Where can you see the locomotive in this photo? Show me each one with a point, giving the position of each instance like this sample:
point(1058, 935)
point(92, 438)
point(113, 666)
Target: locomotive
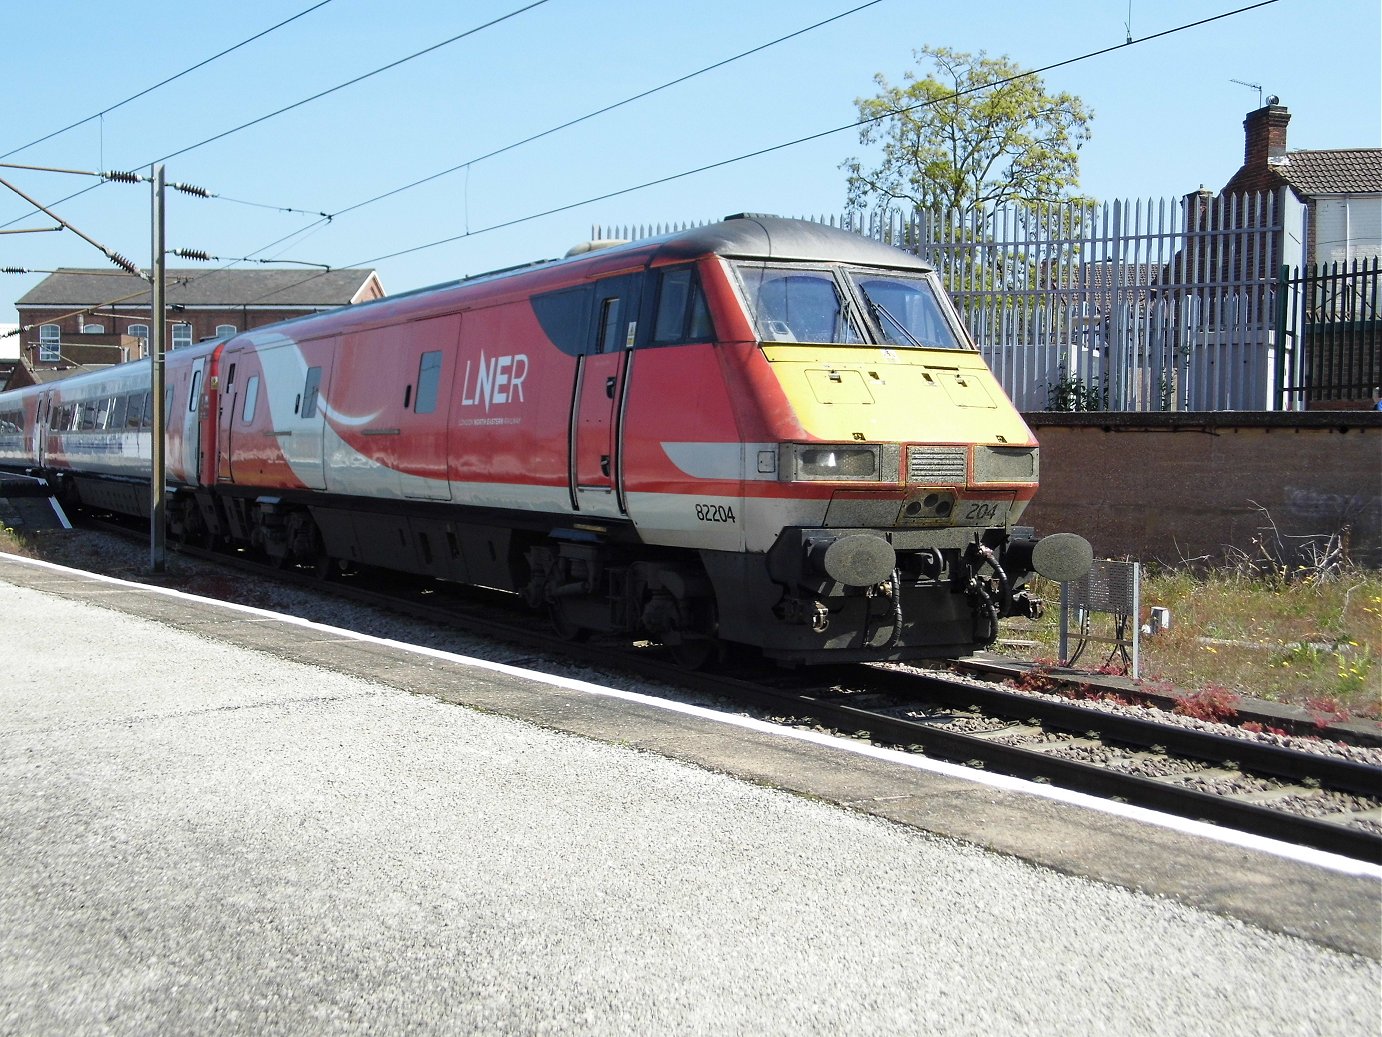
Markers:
point(764, 432)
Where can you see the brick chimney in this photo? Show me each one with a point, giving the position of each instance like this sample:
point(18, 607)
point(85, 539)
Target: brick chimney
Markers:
point(1264, 134)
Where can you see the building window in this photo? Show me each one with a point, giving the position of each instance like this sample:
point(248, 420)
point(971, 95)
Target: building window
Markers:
point(93, 329)
point(139, 331)
point(225, 330)
point(49, 343)
point(182, 335)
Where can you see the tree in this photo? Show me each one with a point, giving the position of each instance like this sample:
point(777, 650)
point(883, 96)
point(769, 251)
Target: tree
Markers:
point(973, 135)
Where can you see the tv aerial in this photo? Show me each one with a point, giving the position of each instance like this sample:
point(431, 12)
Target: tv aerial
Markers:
point(1258, 87)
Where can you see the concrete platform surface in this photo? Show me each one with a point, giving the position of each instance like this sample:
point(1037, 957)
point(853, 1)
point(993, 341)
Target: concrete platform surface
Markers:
point(217, 821)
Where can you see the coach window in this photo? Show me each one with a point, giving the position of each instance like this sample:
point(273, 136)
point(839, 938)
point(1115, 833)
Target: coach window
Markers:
point(118, 412)
point(428, 381)
point(251, 396)
point(310, 390)
point(167, 406)
point(682, 315)
point(134, 417)
point(192, 393)
point(49, 343)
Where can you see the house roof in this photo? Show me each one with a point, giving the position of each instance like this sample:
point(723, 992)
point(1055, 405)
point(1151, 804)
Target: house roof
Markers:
point(306, 289)
point(1332, 171)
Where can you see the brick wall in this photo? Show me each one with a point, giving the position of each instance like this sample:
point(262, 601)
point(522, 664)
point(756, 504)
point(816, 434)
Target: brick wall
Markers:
point(118, 319)
point(1172, 487)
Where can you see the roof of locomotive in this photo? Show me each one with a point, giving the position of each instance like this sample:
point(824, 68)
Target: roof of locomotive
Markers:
point(775, 237)
point(745, 236)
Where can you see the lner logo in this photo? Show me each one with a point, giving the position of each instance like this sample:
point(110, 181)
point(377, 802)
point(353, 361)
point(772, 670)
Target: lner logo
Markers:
point(497, 379)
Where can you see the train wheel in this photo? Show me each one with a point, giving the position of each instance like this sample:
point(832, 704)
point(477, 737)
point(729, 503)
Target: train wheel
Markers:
point(564, 627)
point(696, 653)
point(188, 537)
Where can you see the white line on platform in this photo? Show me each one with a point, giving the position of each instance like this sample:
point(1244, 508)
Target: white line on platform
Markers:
point(1290, 851)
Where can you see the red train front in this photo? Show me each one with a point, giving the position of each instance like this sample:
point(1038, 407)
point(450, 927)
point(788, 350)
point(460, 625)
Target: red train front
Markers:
point(764, 431)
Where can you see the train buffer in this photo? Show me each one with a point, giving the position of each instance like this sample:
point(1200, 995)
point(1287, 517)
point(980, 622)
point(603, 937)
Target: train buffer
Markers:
point(27, 505)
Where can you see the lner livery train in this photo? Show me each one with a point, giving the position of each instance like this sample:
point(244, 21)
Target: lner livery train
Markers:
point(762, 431)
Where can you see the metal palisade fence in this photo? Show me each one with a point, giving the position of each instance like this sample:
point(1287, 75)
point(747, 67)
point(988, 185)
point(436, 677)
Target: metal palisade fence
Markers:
point(1330, 315)
point(1154, 305)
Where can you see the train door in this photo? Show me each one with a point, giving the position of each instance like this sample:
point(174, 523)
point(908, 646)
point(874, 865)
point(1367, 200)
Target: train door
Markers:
point(427, 359)
point(295, 381)
point(39, 449)
point(231, 389)
point(596, 487)
point(189, 422)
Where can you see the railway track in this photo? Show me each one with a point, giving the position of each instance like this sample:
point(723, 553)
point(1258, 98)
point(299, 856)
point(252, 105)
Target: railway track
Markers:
point(1269, 716)
point(1310, 798)
point(1268, 787)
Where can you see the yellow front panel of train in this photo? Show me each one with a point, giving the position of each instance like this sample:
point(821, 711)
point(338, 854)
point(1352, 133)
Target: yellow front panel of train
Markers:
point(875, 394)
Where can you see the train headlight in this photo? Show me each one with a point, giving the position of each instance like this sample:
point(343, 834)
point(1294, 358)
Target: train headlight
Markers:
point(829, 462)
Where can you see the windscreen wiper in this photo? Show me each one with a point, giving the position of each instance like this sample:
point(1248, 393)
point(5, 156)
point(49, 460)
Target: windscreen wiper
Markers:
point(880, 311)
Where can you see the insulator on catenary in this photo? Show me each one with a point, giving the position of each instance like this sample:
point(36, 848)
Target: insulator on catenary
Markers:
point(13, 270)
point(123, 263)
point(192, 253)
point(192, 189)
point(119, 176)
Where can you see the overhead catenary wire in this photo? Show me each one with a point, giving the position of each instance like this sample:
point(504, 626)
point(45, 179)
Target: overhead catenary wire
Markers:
point(758, 153)
point(469, 163)
point(350, 82)
point(607, 108)
point(109, 253)
point(503, 225)
point(328, 217)
point(162, 83)
point(735, 159)
point(318, 96)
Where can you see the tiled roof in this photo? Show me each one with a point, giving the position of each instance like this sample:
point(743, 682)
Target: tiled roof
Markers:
point(1333, 171)
point(192, 287)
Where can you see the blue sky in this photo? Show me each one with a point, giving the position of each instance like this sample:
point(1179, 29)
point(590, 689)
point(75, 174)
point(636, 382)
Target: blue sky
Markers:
point(1168, 117)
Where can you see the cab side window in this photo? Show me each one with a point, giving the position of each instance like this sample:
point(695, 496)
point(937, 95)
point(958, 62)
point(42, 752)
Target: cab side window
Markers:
point(682, 314)
point(610, 340)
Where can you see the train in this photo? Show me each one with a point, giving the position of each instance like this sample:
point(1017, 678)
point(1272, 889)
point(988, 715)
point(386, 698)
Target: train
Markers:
point(761, 432)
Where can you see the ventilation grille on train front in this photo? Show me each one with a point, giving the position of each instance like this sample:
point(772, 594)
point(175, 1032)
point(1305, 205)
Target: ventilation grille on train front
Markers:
point(936, 464)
